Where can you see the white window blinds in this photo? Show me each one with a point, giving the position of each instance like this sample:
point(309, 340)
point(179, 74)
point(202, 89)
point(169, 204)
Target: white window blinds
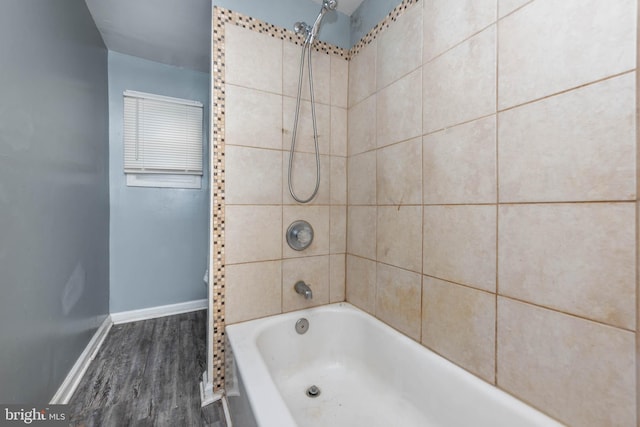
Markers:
point(162, 135)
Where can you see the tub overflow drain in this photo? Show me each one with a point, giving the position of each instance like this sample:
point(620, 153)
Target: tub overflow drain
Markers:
point(313, 391)
point(302, 326)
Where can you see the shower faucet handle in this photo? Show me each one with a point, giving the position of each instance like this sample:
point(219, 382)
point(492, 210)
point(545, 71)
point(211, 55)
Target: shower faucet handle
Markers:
point(299, 235)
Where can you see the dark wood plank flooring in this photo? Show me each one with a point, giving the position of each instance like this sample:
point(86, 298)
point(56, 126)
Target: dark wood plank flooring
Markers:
point(147, 373)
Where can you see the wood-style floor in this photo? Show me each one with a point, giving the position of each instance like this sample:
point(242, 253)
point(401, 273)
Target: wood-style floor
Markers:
point(147, 373)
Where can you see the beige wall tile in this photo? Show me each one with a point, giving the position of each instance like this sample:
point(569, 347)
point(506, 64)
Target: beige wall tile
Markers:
point(551, 46)
point(461, 84)
point(253, 118)
point(321, 63)
point(338, 131)
point(459, 323)
point(361, 283)
point(399, 110)
point(399, 236)
point(578, 258)
point(338, 180)
point(578, 371)
point(361, 180)
point(314, 271)
point(399, 174)
point(339, 81)
point(338, 230)
point(318, 217)
point(304, 137)
point(304, 174)
point(398, 299)
point(253, 59)
point(252, 290)
point(252, 233)
point(252, 176)
point(337, 276)
point(362, 127)
point(507, 6)
point(447, 23)
point(460, 164)
point(362, 76)
point(460, 244)
point(361, 231)
point(400, 47)
point(579, 145)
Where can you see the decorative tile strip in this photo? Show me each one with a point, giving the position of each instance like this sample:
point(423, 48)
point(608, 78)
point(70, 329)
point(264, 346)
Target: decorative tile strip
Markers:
point(217, 191)
point(381, 26)
point(228, 16)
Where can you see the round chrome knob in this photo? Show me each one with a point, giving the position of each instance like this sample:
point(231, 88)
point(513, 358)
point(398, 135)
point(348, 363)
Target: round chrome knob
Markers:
point(299, 235)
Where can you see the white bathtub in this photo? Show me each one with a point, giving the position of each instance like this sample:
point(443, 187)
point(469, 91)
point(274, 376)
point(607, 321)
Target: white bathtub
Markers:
point(369, 375)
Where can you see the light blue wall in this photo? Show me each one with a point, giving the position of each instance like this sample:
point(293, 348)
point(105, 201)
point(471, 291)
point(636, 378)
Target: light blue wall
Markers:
point(54, 194)
point(367, 16)
point(285, 13)
point(159, 238)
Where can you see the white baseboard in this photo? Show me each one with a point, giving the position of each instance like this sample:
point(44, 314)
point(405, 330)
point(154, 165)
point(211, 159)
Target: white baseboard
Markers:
point(160, 311)
point(70, 383)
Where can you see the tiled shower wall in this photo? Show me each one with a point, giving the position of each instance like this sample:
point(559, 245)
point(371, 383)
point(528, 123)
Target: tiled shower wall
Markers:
point(261, 69)
point(492, 195)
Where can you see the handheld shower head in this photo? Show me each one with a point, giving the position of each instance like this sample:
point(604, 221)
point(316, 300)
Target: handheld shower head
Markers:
point(326, 6)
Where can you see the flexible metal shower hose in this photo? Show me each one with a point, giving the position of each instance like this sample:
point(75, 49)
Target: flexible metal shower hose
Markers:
point(306, 47)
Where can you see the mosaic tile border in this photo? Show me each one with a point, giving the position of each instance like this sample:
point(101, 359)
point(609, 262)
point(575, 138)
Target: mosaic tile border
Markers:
point(218, 194)
point(221, 17)
point(224, 16)
point(381, 26)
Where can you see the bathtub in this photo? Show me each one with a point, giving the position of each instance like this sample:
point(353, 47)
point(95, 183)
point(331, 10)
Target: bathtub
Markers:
point(367, 373)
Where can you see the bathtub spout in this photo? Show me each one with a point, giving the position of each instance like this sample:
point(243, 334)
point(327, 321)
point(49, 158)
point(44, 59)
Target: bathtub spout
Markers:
point(303, 289)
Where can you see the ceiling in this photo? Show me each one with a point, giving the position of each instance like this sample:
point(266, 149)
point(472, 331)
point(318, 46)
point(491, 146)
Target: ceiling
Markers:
point(346, 6)
point(174, 32)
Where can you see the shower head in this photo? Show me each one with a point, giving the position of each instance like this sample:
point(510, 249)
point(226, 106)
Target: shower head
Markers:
point(330, 4)
point(313, 31)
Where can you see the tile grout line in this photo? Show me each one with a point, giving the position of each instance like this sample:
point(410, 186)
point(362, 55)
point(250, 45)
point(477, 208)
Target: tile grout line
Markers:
point(282, 192)
point(566, 313)
point(637, 219)
point(375, 94)
point(576, 202)
point(564, 91)
point(422, 186)
point(497, 200)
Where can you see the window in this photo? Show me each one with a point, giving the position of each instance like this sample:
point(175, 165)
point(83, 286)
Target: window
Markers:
point(162, 141)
